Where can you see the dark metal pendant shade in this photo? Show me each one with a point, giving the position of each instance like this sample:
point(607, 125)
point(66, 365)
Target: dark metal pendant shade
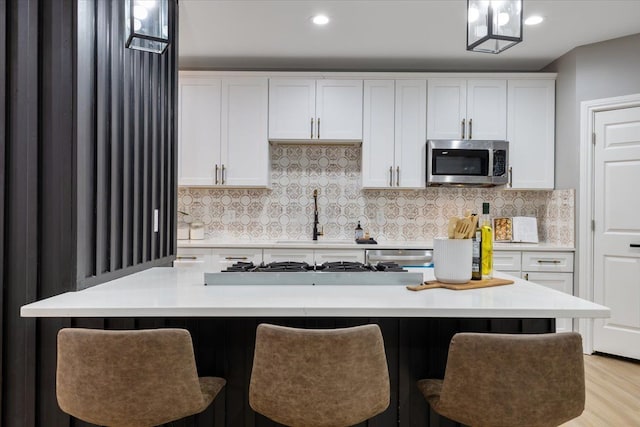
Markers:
point(147, 25)
point(493, 25)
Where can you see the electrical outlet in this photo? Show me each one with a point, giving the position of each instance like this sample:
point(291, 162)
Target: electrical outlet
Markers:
point(155, 221)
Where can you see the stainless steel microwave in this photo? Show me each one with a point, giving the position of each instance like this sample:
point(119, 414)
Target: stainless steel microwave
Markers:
point(467, 162)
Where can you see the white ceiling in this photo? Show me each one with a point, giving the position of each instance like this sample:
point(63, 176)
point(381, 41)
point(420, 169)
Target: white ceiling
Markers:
point(425, 35)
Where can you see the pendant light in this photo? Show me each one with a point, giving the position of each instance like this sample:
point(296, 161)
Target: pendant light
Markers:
point(147, 25)
point(493, 25)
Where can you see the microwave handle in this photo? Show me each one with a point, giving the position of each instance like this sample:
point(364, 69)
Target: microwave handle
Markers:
point(463, 120)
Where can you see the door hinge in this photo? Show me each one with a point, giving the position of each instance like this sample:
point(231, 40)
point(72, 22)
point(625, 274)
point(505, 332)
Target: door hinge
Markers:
point(593, 225)
point(593, 138)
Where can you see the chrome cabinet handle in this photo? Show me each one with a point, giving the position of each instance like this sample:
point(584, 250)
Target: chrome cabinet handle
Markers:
point(463, 121)
point(311, 127)
point(222, 175)
point(390, 176)
point(549, 261)
point(510, 184)
point(634, 245)
point(318, 128)
point(398, 176)
point(234, 258)
point(470, 128)
point(526, 276)
point(216, 174)
point(186, 257)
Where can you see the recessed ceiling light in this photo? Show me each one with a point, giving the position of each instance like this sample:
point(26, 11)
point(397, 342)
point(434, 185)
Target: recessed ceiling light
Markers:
point(534, 20)
point(320, 20)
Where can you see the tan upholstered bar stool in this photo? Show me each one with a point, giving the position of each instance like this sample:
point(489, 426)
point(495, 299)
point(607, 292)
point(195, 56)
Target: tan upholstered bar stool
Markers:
point(319, 377)
point(130, 378)
point(502, 380)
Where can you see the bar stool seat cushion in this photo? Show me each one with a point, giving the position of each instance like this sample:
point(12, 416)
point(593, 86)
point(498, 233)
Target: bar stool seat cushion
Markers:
point(135, 378)
point(503, 380)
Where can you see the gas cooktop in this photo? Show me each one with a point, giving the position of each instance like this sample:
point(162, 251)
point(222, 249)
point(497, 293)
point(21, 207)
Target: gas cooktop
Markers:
point(302, 273)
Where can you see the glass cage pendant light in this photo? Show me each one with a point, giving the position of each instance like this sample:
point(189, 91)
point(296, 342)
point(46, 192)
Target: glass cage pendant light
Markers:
point(493, 25)
point(147, 25)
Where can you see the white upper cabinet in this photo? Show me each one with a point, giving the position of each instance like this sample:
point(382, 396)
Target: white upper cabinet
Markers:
point(394, 133)
point(198, 130)
point(302, 109)
point(531, 134)
point(244, 147)
point(222, 130)
point(467, 109)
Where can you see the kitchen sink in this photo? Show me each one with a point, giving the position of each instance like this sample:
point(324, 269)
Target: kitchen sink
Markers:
point(315, 242)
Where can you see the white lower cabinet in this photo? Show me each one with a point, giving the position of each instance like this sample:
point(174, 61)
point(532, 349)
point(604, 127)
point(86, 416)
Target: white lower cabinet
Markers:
point(332, 255)
point(281, 255)
point(223, 258)
point(193, 257)
point(562, 282)
point(551, 269)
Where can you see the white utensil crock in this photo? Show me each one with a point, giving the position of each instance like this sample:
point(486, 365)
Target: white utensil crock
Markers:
point(452, 260)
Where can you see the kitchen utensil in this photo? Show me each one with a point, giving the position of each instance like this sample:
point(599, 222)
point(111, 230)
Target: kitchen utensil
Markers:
point(474, 225)
point(462, 228)
point(432, 284)
point(453, 221)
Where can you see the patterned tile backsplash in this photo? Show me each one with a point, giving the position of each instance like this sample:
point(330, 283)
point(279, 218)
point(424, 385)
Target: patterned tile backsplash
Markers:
point(286, 210)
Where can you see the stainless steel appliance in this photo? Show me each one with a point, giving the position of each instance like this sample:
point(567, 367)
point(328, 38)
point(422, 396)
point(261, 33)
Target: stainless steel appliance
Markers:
point(301, 273)
point(467, 162)
point(403, 257)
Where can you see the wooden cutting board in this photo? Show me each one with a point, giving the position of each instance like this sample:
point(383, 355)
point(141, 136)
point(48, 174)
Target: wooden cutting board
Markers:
point(473, 284)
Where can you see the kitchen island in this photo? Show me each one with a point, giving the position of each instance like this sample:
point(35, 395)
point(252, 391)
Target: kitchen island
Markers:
point(416, 326)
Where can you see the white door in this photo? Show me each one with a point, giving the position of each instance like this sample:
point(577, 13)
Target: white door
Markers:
point(339, 109)
point(244, 143)
point(198, 130)
point(410, 133)
point(617, 231)
point(531, 133)
point(447, 108)
point(291, 108)
point(487, 109)
point(378, 133)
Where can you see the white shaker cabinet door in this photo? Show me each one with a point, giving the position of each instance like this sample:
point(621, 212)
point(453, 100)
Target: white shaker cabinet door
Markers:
point(198, 130)
point(244, 142)
point(410, 133)
point(378, 133)
point(446, 109)
point(562, 282)
point(339, 109)
point(292, 109)
point(531, 134)
point(486, 109)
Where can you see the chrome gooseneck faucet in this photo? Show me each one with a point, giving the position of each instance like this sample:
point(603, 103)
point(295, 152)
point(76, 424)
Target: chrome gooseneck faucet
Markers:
point(316, 233)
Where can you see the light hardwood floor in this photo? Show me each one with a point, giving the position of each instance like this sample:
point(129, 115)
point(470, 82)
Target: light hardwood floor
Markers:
point(613, 393)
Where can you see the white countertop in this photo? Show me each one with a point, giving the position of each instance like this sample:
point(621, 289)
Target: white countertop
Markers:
point(179, 292)
point(347, 244)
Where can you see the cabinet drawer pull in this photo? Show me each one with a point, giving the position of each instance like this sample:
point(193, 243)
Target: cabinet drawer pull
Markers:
point(549, 261)
point(318, 128)
point(216, 174)
point(390, 176)
point(510, 184)
point(634, 245)
point(222, 175)
point(463, 121)
point(186, 257)
point(526, 276)
point(398, 176)
point(235, 258)
point(470, 128)
point(311, 127)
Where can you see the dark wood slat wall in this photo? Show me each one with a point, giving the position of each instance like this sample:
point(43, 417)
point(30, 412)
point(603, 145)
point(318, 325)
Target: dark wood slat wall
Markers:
point(131, 97)
point(73, 129)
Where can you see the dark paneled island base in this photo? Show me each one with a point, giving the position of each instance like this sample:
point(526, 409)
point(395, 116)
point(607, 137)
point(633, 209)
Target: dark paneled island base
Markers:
point(416, 348)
